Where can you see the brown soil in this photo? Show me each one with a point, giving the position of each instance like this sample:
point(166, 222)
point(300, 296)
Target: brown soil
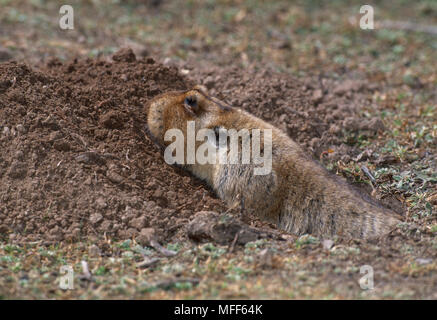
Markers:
point(76, 163)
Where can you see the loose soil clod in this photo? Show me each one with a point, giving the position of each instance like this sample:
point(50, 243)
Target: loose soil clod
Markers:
point(222, 229)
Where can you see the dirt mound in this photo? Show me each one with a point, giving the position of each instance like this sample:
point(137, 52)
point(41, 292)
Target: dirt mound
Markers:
point(75, 161)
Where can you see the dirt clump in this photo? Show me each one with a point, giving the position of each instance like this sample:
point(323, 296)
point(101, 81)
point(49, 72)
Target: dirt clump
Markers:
point(209, 226)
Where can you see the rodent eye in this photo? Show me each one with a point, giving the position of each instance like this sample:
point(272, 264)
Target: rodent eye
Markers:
point(190, 105)
point(191, 101)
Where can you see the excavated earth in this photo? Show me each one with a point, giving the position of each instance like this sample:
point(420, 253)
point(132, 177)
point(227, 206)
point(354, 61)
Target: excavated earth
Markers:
point(75, 161)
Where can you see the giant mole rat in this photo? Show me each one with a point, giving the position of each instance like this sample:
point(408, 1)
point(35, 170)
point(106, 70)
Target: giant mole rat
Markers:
point(298, 194)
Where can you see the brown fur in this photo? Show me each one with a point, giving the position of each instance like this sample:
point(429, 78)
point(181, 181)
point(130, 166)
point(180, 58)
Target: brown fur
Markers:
point(299, 195)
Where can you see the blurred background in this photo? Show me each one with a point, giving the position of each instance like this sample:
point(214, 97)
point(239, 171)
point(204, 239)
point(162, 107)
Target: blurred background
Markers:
point(299, 36)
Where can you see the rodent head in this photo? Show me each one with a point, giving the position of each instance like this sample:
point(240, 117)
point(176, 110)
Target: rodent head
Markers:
point(172, 110)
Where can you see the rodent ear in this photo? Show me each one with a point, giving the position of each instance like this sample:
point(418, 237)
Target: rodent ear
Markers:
point(191, 105)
